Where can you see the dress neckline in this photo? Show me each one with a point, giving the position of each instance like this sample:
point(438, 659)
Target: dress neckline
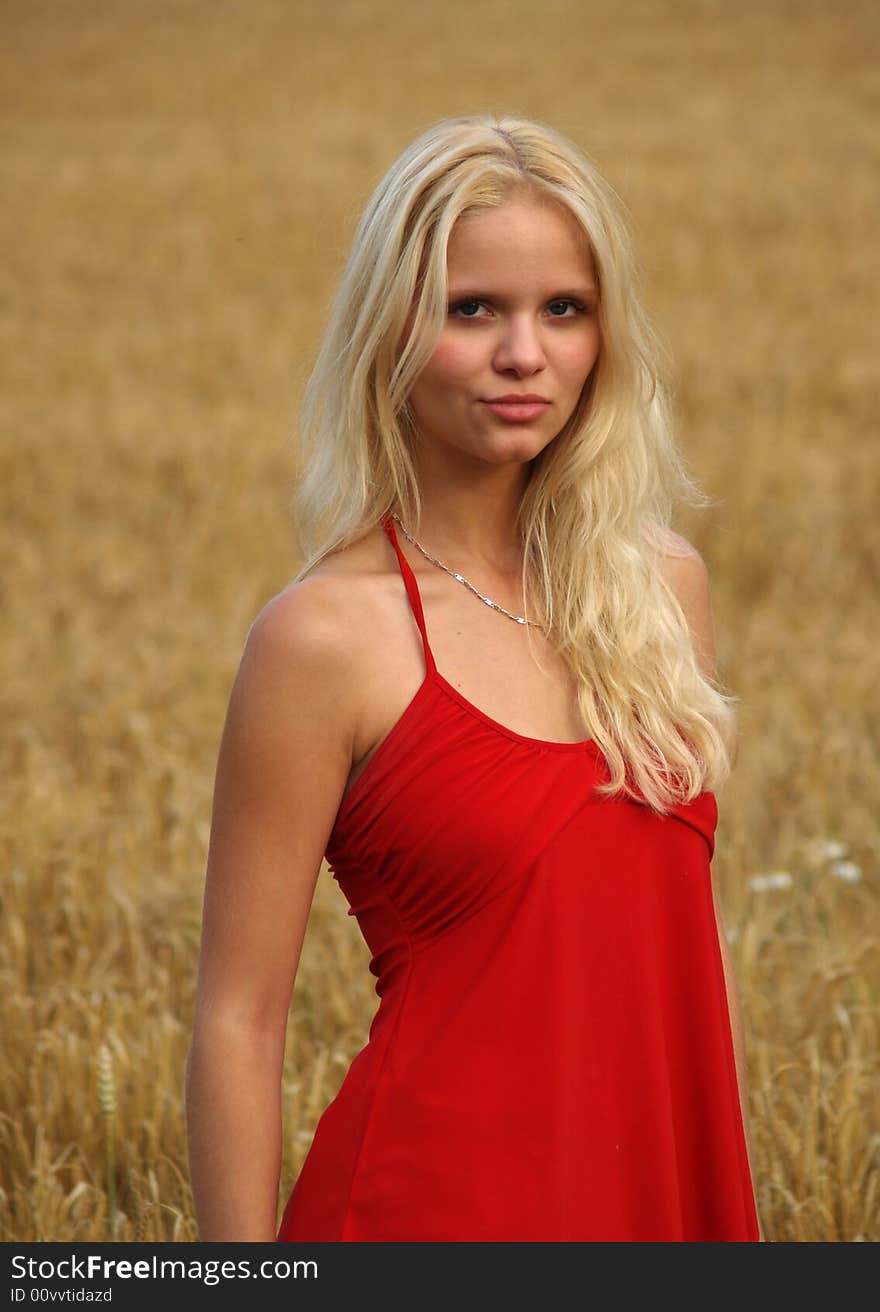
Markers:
point(432, 673)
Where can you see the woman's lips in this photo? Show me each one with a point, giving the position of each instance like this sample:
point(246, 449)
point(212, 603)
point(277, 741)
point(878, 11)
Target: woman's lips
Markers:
point(518, 412)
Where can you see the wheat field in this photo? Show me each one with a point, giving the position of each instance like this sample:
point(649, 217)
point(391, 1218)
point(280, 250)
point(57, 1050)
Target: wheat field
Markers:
point(182, 182)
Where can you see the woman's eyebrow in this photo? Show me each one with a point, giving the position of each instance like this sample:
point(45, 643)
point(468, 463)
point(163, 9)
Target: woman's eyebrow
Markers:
point(471, 290)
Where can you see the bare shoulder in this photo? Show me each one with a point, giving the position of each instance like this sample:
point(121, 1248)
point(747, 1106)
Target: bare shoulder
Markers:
point(337, 588)
point(668, 544)
point(680, 564)
point(289, 716)
point(686, 574)
point(316, 629)
point(294, 658)
point(306, 621)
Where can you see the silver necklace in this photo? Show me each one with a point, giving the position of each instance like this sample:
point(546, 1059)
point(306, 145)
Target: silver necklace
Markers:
point(519, 619)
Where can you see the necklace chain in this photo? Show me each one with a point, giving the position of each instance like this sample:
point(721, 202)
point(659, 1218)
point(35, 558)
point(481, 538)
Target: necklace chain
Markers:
point(519, 619)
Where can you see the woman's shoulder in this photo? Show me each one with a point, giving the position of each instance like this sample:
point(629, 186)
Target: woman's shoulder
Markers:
point(686, 574)
point(326, 609)
point(676, 560)
point(668, 545)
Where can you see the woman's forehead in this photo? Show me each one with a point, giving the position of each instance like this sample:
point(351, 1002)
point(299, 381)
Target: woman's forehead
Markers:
point(519, 239)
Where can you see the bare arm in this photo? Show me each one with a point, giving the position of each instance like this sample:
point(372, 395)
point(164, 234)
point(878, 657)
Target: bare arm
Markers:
point(688, 576)
point(284, 758)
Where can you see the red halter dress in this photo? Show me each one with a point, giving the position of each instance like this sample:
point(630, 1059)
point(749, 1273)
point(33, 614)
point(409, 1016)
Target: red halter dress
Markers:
point(551, 1057)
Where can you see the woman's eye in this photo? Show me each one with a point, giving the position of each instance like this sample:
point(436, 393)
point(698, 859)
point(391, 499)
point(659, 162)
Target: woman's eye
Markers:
point(464, 305)
point(467, 309)
point(576, 305)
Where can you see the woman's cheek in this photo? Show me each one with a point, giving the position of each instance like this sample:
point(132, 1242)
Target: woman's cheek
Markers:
point(452, 359)
point(583, 354)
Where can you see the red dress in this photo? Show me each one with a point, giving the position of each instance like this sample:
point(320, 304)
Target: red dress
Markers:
point(551, 1057)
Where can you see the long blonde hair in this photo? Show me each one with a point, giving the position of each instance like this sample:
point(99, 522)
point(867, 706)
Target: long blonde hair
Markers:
point(597, 509)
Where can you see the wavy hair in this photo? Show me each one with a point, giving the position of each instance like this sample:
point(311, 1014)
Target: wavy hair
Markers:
point(597, 510)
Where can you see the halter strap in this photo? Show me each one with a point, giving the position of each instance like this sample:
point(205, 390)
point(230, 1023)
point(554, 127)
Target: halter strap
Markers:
point(412, 591)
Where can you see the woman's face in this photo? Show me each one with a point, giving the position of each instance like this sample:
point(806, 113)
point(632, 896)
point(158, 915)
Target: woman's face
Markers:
point(522, 320)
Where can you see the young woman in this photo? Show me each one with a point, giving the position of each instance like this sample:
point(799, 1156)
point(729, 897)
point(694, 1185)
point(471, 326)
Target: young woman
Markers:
point(489, 697)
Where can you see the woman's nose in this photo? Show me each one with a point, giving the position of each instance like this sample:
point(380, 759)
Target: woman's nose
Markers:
point(519, 346)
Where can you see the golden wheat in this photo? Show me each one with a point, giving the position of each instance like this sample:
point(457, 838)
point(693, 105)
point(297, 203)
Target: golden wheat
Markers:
point(181, 182)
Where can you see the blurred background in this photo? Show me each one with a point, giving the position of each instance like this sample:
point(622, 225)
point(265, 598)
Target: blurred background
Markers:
point(182, 180)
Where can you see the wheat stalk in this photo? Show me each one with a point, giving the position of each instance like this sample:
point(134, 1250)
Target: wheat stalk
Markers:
point(107, 1103)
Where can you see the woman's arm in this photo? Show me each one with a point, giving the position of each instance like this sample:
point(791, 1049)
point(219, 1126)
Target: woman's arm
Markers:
point(283, 763)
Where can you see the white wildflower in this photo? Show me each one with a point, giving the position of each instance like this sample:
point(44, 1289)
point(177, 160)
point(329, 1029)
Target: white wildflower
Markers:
point(773, 879)
point(820, 850)
point(848, 871)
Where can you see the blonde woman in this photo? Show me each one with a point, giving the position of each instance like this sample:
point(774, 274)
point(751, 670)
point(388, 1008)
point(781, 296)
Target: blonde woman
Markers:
point(489, 698)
